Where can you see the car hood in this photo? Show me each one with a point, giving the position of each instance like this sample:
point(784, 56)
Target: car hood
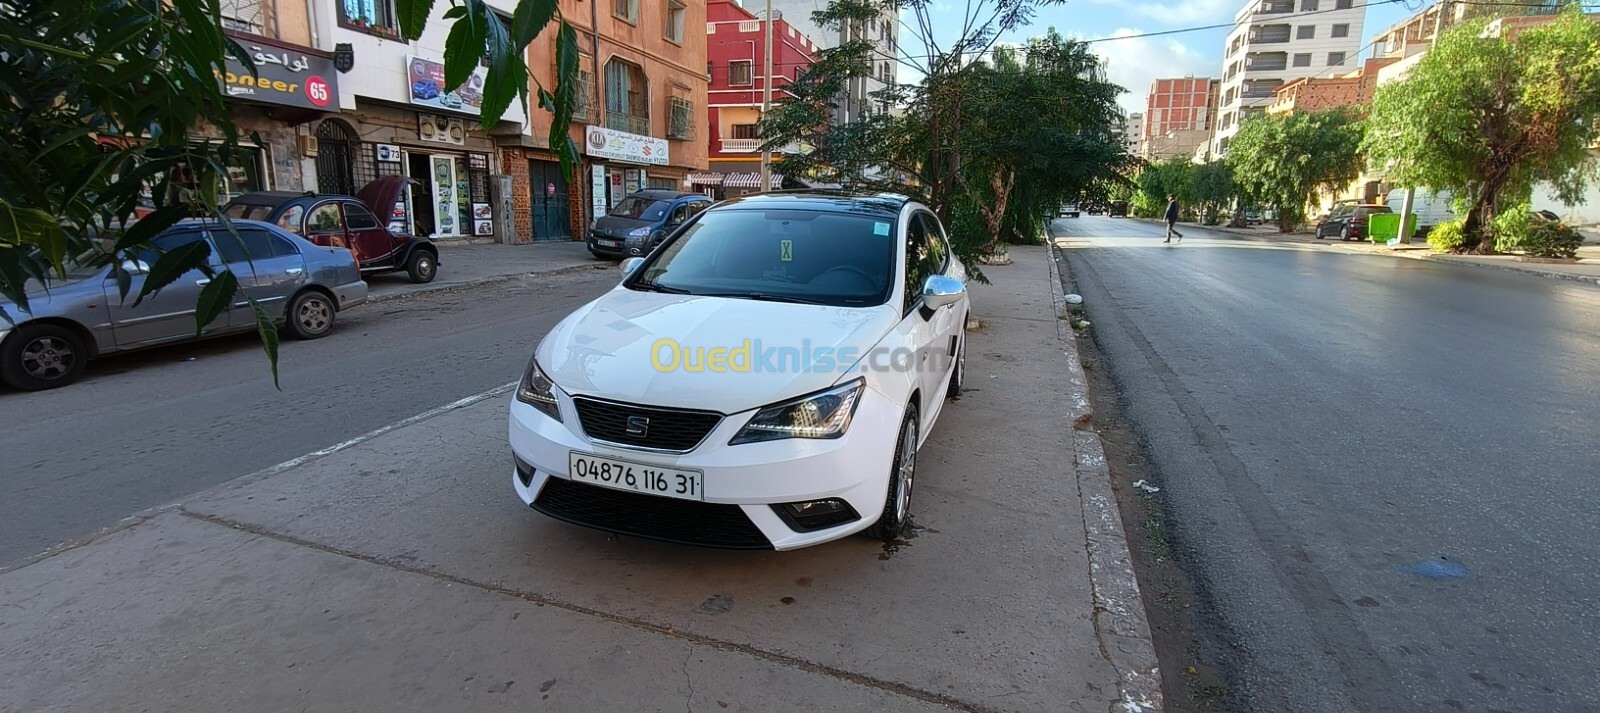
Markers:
point(605, 348)
point(615, 225)
point(380, 195)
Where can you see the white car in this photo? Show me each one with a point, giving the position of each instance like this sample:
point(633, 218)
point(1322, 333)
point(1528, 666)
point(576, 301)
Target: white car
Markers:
point(762, 380)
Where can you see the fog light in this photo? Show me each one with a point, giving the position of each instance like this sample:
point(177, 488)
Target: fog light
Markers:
point(816, 514)
point(633, 251)
point(524, 472)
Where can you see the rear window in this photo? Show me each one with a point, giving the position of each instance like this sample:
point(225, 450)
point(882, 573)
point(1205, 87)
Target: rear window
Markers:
point(1371, 210)
point(842, 259)
point(640, 208)
point(245, 211)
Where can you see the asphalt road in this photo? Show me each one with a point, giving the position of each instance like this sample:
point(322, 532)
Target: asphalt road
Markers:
point(1380, 473)
point(145, 429)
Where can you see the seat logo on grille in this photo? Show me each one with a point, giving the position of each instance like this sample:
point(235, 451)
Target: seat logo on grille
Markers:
point(639, 426)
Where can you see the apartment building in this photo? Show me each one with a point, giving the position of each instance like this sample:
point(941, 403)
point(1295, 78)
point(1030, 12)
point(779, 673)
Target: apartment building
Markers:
point(1275, 42)
point(1129, 132)
point(1178, 116)
point(883, 32)
point(736, 55)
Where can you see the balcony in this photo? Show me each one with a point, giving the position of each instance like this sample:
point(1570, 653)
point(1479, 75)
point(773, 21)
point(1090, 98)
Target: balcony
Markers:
point(1276, 7)
point(627, 122)
point(754, 146)
point(1267, 62)
point(1270, 34)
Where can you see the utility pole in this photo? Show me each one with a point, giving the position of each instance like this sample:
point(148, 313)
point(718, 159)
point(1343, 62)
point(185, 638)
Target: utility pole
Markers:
point(597, 105)
point(1411, 191)
point(766, 101)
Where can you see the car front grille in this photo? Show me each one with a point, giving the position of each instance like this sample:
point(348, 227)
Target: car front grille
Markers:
point(663, 429)
point(650, 516)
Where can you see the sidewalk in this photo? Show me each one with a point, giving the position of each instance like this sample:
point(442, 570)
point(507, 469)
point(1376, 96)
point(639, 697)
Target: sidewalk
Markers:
point(464, 266)
point(399, 572)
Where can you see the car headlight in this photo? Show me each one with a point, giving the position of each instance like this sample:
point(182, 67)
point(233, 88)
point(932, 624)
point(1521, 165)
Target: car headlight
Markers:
point(538, 391)
point(639, 232)
point(825, 414)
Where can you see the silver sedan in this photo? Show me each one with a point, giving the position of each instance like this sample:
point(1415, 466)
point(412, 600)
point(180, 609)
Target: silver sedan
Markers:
point(301, 286)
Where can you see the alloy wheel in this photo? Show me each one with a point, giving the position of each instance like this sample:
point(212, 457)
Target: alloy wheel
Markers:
point(315, 315)
point(48, 358)
point(908, 470)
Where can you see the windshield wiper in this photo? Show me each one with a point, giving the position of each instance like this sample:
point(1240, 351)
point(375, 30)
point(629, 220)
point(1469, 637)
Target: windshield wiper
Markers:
point(656, 287)
point(762, 297)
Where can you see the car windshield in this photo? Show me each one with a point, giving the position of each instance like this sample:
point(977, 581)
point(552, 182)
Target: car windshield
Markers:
point(640, 208)
point(807, 256)
point(246, 211)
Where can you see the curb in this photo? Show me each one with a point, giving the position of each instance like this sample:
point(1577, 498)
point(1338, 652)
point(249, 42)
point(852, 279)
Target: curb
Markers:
point(480, 282)
point(1120, 625)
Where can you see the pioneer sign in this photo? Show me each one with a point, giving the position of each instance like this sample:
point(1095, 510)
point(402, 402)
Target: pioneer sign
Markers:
point(283, 75)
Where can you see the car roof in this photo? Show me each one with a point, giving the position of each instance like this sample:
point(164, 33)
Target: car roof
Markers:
point(887, 204)
point(662, 194)
point(211, 224)
point(276, 198)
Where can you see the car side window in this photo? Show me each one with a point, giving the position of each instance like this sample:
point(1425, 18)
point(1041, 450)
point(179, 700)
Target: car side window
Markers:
point(359, 218)
point(325, 218)
point(167, 242)
point(697, 206)
point(252, 244)
point(679, 214)
point(938, 256)
point(916, 264)
point(290, 220)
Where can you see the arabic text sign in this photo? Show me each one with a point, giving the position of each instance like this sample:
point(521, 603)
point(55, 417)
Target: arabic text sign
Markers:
point(283, 75)
point(623, 146)
point(426, 79)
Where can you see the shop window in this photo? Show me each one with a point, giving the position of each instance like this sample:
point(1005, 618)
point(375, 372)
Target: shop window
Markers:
point(675, 13)
point(739, 73)
point(627, 10)
point(373, 16)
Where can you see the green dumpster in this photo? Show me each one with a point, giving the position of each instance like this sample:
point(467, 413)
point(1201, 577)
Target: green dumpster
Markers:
point(1383, 227)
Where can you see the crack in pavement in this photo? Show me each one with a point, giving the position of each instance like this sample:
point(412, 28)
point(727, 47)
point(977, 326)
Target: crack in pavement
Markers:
point(794, 662)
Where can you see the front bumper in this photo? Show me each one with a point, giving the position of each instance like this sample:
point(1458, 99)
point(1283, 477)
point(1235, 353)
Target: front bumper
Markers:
point(350, 295)
point(741, 483)
point(625, 247)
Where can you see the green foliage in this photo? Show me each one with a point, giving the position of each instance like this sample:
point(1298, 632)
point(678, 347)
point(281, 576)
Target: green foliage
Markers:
point(1551, 239)
point(1281, 160)
point(1511, 227)
point(1447, 237)
point(1487, 118)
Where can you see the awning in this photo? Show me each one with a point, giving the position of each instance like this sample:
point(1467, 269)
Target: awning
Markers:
point(818, 185)
point(749, 180)
point(704, 179)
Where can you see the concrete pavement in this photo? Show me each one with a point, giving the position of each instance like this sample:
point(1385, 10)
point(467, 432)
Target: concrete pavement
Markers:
point(397, 570)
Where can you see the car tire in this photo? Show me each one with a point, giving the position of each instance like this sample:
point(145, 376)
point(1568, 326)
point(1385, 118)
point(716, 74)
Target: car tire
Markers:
point(902, 476)
point(42, 356)
point(310, 315)
point(422, 267)
point(1319, 233)
point(958, 371)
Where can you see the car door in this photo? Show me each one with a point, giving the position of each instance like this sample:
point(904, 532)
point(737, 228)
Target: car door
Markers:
point(945, 322)
point(325, 226)
point(919, 327)
point(167, 315)
point(269, 266)
point(372, 243)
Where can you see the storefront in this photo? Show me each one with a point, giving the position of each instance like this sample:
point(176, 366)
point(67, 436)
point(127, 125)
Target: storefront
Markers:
point(621, 163)
point(731, 180)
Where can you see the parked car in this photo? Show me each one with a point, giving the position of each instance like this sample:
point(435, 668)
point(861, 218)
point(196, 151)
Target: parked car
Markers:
point(1118, 209)
point(808, 441)
point(1349, 221)
point(1095, 209)
point(301, 285)
point(347, 222)
point(642, 220)
point(1069, 210)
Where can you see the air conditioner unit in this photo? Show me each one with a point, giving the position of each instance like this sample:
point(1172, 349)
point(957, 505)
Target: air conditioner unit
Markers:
point(308, 146)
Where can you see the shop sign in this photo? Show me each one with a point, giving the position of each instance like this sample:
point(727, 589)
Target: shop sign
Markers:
point(344, 57)
point(283, 75)
point(597, 191)
point(443, 129)
point(426, 79)
point(616, 145)
point(387, 153)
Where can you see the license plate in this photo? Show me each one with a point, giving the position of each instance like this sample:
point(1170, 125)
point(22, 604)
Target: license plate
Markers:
point(637, 477)
point(610, 243)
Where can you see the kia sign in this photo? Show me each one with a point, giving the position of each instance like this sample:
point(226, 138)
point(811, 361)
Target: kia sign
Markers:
point(602, 142)
point(283, 75)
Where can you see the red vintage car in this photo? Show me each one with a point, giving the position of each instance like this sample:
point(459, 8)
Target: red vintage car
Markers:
point(347, 222)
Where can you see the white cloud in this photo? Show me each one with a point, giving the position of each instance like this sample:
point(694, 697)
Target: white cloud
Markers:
point(1178, 13)
point(1137, 61)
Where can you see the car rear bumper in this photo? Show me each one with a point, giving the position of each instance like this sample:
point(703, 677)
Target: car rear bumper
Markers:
point(350, 295)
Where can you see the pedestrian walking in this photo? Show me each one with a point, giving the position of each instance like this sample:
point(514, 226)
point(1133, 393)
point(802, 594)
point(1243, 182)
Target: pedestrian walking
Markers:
point(1172, 219)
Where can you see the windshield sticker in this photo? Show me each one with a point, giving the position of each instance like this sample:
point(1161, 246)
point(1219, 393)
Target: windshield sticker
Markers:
point(786, 250)
point(880, 228)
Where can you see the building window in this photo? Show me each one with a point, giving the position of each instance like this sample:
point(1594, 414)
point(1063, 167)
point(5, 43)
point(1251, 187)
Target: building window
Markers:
point(628, 10)
point(1302, 60)
point(743, 131)
point(374, 16)
point(1341, 30)
point(255, 17)
point(627, 97)
point(1306, 32)
point(710, 73)
point(1308, 5)
point(585, 98)
point(675, 15)
point(1335, 59)
point(739, 72)
point(1344, 4)
point(680, 118)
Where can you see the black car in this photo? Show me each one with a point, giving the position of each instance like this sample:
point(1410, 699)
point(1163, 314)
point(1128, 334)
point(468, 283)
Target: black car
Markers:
point(1348, 221)
point(353, 223)
point(1119, 209)
point(642, 220)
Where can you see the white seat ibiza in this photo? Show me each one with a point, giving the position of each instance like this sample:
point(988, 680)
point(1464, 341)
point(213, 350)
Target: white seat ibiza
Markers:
point(762, 380)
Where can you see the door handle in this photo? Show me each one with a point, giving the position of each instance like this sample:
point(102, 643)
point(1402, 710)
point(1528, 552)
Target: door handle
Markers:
point(202, 283)
point(294, 271)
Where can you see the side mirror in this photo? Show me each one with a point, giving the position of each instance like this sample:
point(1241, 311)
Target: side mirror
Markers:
point(940, 290)
point(135, 267)
point(629, 265)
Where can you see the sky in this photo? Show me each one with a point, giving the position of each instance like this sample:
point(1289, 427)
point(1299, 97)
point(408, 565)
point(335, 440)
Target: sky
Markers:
point(1133, 62)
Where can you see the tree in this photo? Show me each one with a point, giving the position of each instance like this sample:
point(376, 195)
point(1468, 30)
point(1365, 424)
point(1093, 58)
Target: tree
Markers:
point(1211, 189)
point(1282, 160)
point(102, 100)
point(993, 139)
point(1488, 118)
